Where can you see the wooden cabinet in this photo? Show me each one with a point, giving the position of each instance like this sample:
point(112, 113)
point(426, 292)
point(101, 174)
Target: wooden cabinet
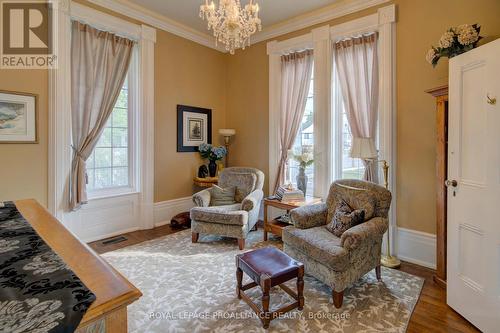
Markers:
point(441, 95)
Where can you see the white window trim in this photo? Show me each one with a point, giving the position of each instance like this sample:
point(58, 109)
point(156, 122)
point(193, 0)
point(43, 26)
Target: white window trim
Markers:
point(320, 40)
point(60, 104)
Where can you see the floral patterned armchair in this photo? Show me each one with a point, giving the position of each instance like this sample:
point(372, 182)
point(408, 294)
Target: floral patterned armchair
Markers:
point(234, 220)
point(339, 262)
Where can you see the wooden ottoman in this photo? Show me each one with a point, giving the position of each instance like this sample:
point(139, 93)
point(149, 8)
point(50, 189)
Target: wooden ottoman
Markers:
point(269, 267)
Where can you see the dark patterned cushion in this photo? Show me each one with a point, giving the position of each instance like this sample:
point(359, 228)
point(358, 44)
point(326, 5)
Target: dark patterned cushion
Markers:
point(345, 218)
point(222, 196)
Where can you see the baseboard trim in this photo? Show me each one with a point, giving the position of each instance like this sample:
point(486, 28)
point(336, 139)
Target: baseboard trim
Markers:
point(165, 210)
point(416, 247)
point(111, 234)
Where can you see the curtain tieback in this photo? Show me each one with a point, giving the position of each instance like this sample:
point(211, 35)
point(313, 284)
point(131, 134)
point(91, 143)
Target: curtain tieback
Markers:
point(76, 152)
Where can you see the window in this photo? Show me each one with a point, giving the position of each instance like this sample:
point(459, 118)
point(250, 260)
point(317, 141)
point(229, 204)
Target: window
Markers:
point(352, 168)
point(304, 142)
point(344, 166)
point(109, 166)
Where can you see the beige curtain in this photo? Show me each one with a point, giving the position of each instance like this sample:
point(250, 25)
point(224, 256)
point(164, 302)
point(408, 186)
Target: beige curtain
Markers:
point(99, 66)
point(296, 71)
point(357, 67)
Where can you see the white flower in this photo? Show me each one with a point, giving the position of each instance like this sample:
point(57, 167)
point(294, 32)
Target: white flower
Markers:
point(306, 157)
point(431, 55)
point(467, 34)
point(447, 39)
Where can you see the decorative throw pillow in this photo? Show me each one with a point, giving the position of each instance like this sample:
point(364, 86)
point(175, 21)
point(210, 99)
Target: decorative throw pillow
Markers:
point(222, 196)
point(244, 182)
point(345, 218)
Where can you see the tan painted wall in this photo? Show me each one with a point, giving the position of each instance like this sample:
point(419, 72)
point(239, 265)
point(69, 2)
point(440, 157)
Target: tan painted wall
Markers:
point(185, 73)
point(420, 24)
point(23, 167)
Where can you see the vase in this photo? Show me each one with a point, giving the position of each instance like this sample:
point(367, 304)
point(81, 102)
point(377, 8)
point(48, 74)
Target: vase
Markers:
point(302, 180)
point(212, 168)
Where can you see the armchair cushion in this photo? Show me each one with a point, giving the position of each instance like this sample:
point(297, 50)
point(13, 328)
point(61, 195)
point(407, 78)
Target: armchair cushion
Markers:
point(319, 244)
point(243, 181)
point(375, 228)
point(309, 216)
point(231, 214)
point(345, 218)
point(252, 200)
point(202, 198)
point(222, 196)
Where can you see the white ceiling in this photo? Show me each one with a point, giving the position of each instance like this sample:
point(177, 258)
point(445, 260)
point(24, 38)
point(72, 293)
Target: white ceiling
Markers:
point(272, 11)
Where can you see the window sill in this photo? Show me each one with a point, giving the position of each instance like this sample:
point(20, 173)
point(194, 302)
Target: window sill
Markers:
point(111, 193)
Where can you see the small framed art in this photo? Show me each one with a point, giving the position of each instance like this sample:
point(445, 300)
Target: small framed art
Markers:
point(18, 117)
point(194, 127)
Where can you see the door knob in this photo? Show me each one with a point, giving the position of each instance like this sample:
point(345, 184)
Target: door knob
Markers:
point(452, 183)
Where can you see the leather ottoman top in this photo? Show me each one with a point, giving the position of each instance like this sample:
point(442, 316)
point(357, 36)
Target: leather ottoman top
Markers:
point(268, 263)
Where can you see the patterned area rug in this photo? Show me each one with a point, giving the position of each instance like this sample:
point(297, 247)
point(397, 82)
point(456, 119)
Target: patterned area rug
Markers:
point(191, 288)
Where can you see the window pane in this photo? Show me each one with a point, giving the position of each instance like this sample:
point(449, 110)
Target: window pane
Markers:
point(105, 139)
point(103, 178)
point(102, 157)
point(120, 176)
point(90, 161)
point(120, 117)
point(122, 100)
point(90, 178)
point(120, 157)
point(120, 137)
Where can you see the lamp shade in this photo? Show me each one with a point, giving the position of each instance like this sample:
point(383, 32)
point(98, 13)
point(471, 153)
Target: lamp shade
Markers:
point(227, 132)
point(363, 148)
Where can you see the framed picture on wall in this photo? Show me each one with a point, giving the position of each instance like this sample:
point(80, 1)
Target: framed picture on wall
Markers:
point(18, 117)
point(194, 127)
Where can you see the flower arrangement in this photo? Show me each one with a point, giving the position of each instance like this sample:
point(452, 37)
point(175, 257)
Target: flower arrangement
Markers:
point(305, 159)
point(455, 41)
point(207, 151)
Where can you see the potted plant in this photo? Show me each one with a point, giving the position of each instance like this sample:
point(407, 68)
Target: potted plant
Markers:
point(212, 154)
point(305, 159)
point(455, 41)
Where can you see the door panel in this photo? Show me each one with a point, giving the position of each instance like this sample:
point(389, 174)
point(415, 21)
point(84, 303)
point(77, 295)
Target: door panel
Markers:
point(474, 204)
point(473, 121)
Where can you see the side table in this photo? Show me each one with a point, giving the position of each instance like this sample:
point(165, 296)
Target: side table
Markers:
point(276, 227)
point(205, 182)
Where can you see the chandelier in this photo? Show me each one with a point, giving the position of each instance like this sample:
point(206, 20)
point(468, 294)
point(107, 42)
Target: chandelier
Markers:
point(231, 24)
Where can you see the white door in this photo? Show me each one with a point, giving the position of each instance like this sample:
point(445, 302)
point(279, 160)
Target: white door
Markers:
point(474, 187)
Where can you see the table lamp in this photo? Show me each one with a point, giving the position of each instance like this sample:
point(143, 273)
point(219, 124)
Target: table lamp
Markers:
point(227, 133)
point(364, 148)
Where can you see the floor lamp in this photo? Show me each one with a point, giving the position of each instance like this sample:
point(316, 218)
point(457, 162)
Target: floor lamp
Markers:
point(227, 133)
point(364, 148)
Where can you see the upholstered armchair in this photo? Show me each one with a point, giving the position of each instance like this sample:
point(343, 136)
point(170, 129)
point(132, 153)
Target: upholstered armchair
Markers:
point(339, 262)
point(234, 220)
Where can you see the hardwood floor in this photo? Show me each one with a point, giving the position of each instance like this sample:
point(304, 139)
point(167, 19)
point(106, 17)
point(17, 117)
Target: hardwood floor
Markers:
point(431, 312)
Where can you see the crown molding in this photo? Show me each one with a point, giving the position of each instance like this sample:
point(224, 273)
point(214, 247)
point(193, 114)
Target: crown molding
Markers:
point(162, 22)
point(156, 20)
point(318, 16)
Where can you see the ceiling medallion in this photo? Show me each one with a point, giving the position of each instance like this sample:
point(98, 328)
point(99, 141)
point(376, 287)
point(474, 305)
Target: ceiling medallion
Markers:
point(232, 25)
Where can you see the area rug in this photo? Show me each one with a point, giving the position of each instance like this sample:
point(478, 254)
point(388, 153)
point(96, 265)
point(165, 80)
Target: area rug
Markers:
point(191, 288)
